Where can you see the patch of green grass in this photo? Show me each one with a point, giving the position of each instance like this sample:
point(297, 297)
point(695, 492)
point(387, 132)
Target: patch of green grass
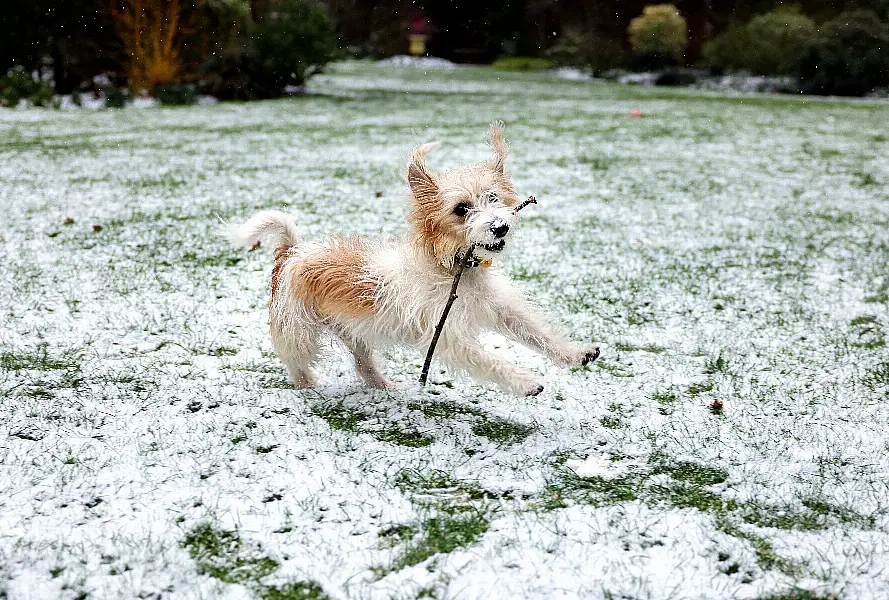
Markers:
point(220, 554)
point(692, 473)
point(867, 320)
point(689, 496)
point(39, 359)
point(443, 533)
point(340, 417)
point(454, 517)
point(612, 422)
point(843, 515)
point(814, 516)
point(612, 368)
point(299, 590)
point(597, 163)
point(222, 351)
point(767, 516)
point(521, 63)
point(410, 439)
point(39, 392)
point(868, 331)
point(798, 594)
point(396, 534)
point(343, 418)
point(877, 377)
point(864, 179)
point(502, 431)
point(880, 296)
point(595, 491)
point(650, 348)
point(664, 397)
point(444, 410)
point(716, 365)
point(193, 259)
point(433, 481)
point(765, 553)
point(696, 389)
point(522, 273)
point(690, 490)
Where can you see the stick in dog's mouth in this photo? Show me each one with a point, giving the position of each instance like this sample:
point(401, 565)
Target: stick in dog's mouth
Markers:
point(530, 200)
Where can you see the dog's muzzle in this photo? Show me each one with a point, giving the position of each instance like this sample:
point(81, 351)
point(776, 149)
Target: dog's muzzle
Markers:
point(499, 229)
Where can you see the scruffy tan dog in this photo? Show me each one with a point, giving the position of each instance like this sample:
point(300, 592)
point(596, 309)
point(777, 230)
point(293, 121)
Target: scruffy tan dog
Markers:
point(374, 294)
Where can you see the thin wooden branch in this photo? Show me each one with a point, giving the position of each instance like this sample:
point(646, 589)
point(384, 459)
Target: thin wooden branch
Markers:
point(444, 315)
point(464, 262)
point(530, 200)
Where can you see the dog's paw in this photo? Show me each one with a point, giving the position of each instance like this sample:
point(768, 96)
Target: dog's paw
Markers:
point(379, 383)
point(583, 356)
point(533, 390)
point(589, 355)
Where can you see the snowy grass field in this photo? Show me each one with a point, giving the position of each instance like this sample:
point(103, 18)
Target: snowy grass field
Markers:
point(721, 249)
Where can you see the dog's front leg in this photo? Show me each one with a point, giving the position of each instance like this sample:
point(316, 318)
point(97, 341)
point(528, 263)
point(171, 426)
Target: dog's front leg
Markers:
point(484, 365)
point(523, 324)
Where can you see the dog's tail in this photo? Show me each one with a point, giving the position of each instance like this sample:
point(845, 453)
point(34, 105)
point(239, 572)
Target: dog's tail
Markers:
point(273, 223)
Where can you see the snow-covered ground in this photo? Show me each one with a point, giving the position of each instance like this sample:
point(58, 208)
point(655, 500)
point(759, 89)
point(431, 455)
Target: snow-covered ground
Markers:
point(729, 249)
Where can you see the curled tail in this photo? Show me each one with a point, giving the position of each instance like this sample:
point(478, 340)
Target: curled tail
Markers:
point(279, 226)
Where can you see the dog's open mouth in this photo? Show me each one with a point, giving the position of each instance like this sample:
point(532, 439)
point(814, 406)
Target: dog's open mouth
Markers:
point(495, 247)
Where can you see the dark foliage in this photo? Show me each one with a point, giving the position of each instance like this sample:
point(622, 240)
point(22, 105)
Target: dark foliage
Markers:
point(291, 41)
point(770, 44)
point(652, 60)
point(21, 85)
point(849, 58)
point(176, 95)
point(73, 37)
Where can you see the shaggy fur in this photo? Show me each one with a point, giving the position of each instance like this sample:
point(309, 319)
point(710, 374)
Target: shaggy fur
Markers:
point(374, 294)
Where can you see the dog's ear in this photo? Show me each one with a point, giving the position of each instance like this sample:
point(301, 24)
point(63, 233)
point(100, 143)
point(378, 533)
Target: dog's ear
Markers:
point(498, 143)
point(423, 183)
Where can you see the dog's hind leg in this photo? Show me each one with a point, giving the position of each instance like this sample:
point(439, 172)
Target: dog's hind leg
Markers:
point(365, 365)
point(298, 350)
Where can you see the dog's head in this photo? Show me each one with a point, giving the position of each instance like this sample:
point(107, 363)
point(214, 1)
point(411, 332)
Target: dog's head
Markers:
point(469, 205)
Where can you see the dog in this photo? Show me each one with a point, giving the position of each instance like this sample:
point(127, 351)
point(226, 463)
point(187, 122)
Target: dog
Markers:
point(374, 294)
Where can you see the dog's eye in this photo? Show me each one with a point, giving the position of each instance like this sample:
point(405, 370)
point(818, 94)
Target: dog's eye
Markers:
point(461, 209)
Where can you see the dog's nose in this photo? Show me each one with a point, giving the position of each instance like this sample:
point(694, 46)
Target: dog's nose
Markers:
point(499, 228)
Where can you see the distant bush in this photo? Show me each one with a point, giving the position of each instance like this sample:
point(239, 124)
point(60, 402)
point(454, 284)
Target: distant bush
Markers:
point(659, 32)
point(652, 60)
point(677, 77)
point(850, 57)
point(577, 49)
point(176, 95)
point(291, 41)
point(115, 97)
point(770, 44)
point(522, 63)
point(19, 85)
point(153, 37)
point(295, 39)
